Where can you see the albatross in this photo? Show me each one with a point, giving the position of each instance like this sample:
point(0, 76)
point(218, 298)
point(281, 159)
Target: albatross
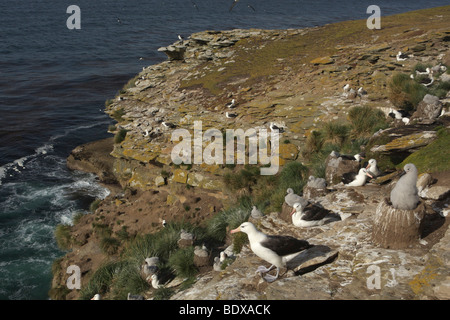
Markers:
point(372, 168)
point(317, 183)
point(231, 104)
point(231, 115)
point(310, 216)
point(274, 127)
point(256, 213)
point(356, 180)
point(356, 157)
point(291, 198)
point(405, 195)
point(271, 248)
point(401, 56)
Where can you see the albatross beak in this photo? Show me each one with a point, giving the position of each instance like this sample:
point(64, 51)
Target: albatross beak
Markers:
point(369, 175)
point(238, 229)
point(293, 211)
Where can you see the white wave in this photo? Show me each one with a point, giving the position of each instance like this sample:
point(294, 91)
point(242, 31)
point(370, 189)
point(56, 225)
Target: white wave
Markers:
point(19, 164)
point(74, 129)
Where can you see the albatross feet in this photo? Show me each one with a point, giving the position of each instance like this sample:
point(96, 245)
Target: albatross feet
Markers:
point(262, 269)
point(269, 278)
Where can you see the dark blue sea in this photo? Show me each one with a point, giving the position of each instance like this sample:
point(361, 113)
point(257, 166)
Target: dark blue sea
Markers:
point(53, 85)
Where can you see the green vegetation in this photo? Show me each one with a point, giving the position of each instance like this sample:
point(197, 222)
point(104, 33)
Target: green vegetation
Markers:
point(244, 179)
point(120, 136)
point(405, 93)
point(118, 114)
point(63, 236)
point(109, 245)
point(433, 157)
point(94, 205)
point(116, 279)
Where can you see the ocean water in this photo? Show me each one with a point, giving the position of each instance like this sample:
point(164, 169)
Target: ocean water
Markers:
point(53, 85)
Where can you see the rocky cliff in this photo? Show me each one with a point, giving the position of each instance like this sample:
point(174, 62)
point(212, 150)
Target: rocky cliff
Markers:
point(294, 79)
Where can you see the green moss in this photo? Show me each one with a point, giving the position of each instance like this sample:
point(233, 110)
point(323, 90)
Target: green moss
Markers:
point(434, 157)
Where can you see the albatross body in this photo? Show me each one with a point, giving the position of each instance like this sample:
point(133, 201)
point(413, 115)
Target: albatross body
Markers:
point(356, 180)
point(405, 195)
point(271, 248)
point(291, 198)
point(318, 183)
point(372, 168)
point(310, 216)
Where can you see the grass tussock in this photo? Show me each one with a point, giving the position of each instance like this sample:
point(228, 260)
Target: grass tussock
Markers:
point(63, 236)
point(120, 136)
point(116, 279)
point(404, 92)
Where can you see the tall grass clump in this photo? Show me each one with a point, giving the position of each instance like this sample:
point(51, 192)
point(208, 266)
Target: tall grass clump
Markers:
point(101, 280)
point(63, 236)
point(336, 133)
point(365, 121)
point(404, 92)
point(245, 178)
point(182, 262)
point(118, 114)
point(230, 218)
point(120, 136)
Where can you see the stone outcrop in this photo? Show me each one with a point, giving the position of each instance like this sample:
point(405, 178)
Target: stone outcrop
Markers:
point(429, 109)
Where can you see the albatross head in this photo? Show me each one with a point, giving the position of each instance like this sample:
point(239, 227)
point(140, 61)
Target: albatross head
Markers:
point(297, 208)
point(246, 227)
point(409, 167)
point(372, 162)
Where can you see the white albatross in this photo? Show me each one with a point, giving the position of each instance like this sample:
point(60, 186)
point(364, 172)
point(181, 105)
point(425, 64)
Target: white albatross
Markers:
point(310, 216)
point(401, 56)
point(271, 248)
point(405, 194)
point(155, 282)
point(274, 127)
point(372, 168)
point(230, 115)
point(356, 180)
point(231, 104)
